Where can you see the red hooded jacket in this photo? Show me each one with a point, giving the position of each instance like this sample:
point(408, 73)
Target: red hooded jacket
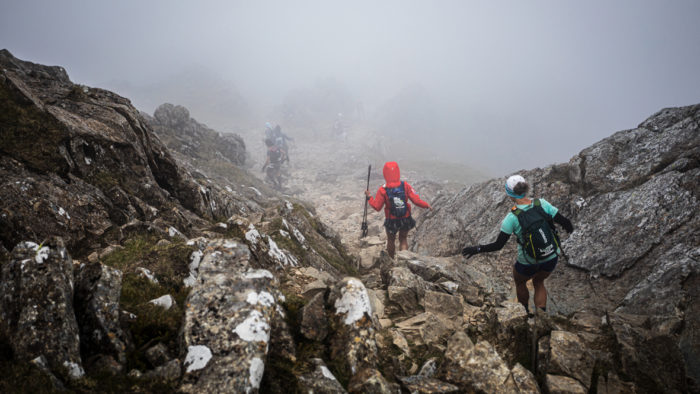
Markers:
point(392, 176)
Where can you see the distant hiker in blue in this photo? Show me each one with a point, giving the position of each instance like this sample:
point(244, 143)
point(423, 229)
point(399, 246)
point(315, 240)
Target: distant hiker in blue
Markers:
point(532, 221)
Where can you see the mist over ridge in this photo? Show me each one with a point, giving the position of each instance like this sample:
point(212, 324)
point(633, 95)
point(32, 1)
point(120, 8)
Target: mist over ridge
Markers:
point(499, 86)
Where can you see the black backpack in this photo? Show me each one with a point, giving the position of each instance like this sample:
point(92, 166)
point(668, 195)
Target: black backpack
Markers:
point(538, 238)
point(275, 155)
point(397, 200)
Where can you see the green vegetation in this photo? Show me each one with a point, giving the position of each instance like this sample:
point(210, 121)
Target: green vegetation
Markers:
point(153, 324)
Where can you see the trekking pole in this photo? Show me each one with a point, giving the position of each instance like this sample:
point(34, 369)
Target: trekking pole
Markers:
point(364, 215)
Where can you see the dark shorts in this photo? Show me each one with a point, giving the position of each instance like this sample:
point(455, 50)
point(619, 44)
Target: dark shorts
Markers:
point(393, 226)
point(532, 269)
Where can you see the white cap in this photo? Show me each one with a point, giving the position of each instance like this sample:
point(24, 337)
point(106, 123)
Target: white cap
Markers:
point(514, 180)
point(510, 186)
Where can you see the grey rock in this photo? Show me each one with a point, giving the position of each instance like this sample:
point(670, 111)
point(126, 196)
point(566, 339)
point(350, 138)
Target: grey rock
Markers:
point(228, 318)
point(100, 166)
point(443, 304)
point(471, 281)
point(482, 370)
point(620, 227)
point(459, 346)
point(97, 293)
point(524, 380)
point(426, 385)
point(369, 381)
point(425, 328)
point(314, 324)
point(512, 329)
point(429, 368)
point(613, 384)
point(320, 380)
point(353, 344)
point(183, 134)
point(653, 359)
point(569, 356)
point(36, 306)
point(555, 384)
point(405, 292)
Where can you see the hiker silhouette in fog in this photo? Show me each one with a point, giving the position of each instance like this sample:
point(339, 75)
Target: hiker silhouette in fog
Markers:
point(532, 221)
point(394, 196)
point(339, 130)
point(273, 163)
point(280, 140)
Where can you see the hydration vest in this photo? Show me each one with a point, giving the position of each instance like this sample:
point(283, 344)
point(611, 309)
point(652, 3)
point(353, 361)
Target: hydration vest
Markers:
point(398, 206)
point(538, 237)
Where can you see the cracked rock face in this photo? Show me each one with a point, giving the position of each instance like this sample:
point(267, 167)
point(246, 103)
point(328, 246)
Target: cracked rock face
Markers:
point(89, 158)
point(97, 293)
point(36, 307)
point(228, 320)
point(633, 199)
point(182, 133)
point(353, 345)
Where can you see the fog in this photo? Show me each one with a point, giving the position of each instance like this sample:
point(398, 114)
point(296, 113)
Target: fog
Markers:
point(499, 85)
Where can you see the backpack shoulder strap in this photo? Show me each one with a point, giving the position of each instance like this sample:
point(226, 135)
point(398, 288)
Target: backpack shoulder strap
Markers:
point(516, 211)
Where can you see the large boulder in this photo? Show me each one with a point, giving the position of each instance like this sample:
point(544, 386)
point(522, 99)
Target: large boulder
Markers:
point(172, 123)
point(569, 356)
point(482, 370)
point(228, 319)
point(87, 157)
point(555, 384)
point(314, 324)
point(97, 293)
point(353, 345)
point(652, 358)
point(36, 306)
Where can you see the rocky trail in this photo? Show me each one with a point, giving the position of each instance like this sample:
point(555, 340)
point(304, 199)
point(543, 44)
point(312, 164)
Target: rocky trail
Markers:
point(332, 175)
point(143, 253)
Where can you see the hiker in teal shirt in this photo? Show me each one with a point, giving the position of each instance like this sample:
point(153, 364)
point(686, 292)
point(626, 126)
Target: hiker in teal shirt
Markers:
point(532, 221)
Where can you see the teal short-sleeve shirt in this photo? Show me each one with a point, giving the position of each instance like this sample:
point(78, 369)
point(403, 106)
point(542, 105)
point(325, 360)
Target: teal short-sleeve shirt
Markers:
point(510, 225)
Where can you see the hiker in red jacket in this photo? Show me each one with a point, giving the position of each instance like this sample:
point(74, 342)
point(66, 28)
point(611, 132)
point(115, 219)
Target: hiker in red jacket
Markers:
point(394, 196)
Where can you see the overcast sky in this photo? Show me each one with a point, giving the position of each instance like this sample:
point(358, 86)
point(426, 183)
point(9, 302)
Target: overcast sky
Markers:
point(518, 84)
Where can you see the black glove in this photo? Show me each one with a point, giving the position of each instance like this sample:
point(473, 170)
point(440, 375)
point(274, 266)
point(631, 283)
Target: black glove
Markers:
point(569, 229)
point(470, 251)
